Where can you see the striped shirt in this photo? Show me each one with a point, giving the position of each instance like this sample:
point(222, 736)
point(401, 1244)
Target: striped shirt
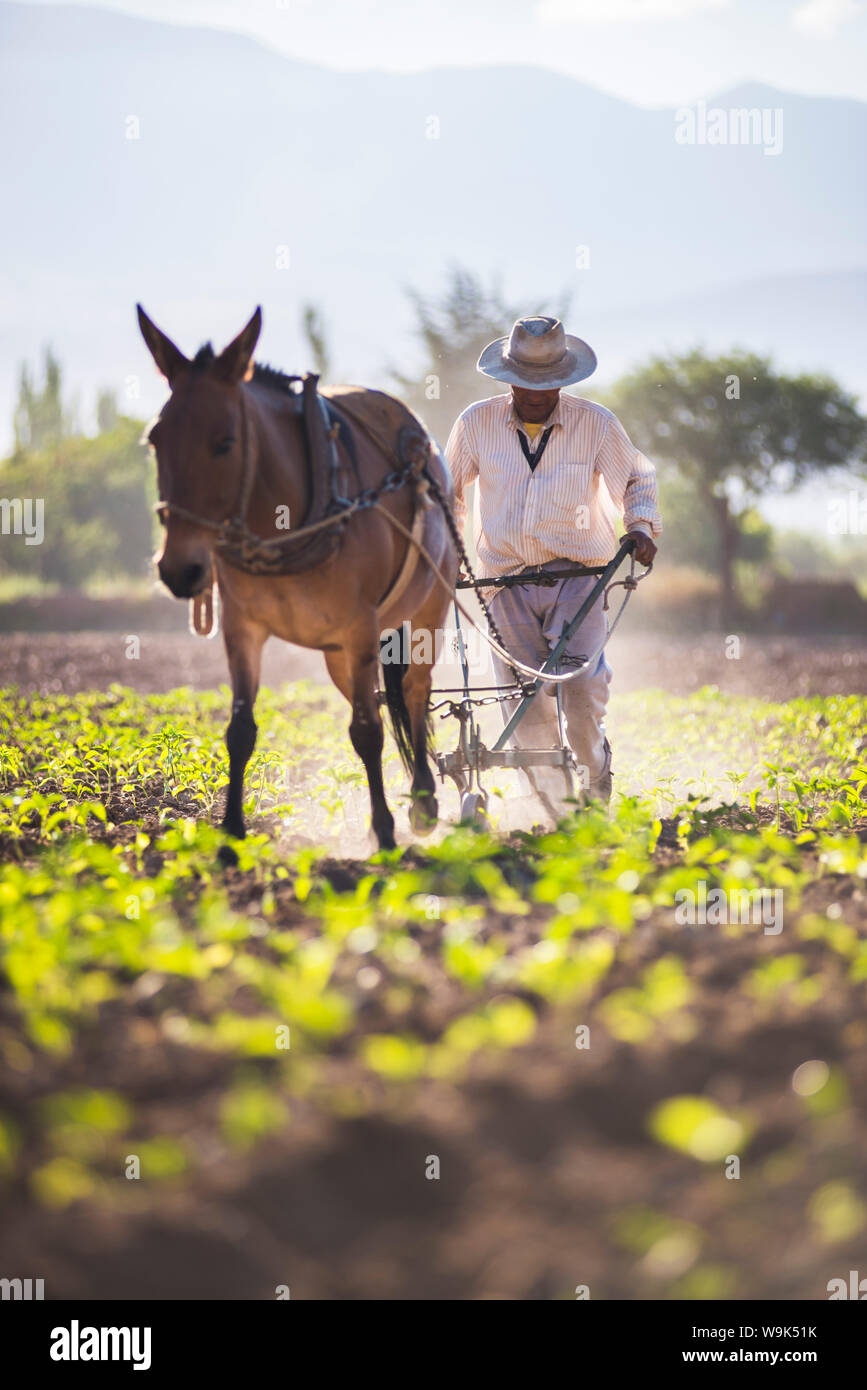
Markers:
point(566, 507)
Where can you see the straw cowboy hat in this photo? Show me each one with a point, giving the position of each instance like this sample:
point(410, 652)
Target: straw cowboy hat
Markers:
point(539, 354)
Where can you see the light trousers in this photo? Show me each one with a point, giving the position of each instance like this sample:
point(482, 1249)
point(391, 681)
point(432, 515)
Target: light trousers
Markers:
point(531, 618)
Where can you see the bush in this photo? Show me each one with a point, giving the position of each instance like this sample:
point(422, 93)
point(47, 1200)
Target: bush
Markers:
point(98, 495)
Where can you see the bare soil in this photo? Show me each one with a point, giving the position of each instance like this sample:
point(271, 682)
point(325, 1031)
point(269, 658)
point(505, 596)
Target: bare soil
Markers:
point(544, 1154)
point(544, 1157)
point(774, 668)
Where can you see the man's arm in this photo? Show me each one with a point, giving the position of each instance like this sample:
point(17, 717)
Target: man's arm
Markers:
point(631, 482)
point(463, 465)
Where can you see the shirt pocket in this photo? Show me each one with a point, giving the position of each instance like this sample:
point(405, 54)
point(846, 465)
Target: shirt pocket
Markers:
point(566, 497)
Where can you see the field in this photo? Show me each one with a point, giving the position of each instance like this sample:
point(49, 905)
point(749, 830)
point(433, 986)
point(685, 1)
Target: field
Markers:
point(484, 1065)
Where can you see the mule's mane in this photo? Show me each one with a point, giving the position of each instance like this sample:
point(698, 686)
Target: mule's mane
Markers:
point(263, 374)
point(203, 358)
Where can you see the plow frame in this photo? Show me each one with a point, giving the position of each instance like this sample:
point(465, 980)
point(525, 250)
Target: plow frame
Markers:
point(471, 757)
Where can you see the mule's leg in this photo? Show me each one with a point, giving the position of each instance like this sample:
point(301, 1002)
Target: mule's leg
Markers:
point(366, 732)
point(416, 690)
point(244, 644)
point(430, 618)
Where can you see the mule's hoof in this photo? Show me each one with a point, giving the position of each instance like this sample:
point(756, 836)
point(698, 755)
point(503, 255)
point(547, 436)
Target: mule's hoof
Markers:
point(381, 840)
point(423, 814)
point(237, 829)
point(228, 856)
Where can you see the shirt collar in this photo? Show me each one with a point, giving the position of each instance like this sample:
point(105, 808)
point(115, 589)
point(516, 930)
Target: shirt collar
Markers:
point(514, 421)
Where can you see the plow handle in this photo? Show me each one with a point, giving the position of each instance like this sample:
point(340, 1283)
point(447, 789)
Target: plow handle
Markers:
point(605, 578)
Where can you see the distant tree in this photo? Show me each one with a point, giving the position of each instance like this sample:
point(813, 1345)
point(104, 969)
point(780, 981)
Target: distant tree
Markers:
point(686, 540)
point(737, 430)
point(315, 331)
point(452, 328)
point(98, 499)
point(41, 418)
point(107, 414)
point(797, 553)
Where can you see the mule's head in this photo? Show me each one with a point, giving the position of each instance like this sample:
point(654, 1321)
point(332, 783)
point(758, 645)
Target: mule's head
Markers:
point(199, 446)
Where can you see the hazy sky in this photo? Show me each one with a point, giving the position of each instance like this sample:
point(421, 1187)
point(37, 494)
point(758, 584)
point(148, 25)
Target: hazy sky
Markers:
point(653, 52)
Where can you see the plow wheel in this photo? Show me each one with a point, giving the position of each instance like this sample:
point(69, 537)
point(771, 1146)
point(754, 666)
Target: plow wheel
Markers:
point(474, 808)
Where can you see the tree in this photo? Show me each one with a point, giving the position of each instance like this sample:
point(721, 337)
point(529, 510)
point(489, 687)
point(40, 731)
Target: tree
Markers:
point(686, 539)
point(97, 496)
point(40, 416)
point(107, 413)
point(313, 324)
point(737, 430)
point(453, 327)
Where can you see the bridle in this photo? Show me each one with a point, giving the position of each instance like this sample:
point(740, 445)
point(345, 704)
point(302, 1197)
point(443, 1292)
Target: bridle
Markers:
point(231, 524)
point(329, 510)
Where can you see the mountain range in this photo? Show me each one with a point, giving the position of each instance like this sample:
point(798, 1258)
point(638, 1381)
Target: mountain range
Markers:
point(201, 172)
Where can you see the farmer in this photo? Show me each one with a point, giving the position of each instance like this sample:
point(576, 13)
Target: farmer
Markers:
point(549, 466)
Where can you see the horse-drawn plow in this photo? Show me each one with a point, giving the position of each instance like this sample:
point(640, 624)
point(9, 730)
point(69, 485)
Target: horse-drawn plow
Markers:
point(466, 763)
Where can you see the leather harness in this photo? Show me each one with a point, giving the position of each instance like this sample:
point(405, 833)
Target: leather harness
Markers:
point(329, 510)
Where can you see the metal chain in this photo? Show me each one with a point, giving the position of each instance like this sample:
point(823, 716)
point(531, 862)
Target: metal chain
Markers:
point(265, 555)
point(392, 481)
point(465, 561)
point(268, 553)
point(454, 705)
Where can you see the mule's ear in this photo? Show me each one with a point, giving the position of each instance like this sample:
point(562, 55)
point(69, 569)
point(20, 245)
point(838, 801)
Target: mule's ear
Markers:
point(168, 358)
point(234, 361)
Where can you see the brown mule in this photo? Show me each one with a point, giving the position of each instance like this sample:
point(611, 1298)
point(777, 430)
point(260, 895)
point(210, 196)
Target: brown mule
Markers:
point(239, 450)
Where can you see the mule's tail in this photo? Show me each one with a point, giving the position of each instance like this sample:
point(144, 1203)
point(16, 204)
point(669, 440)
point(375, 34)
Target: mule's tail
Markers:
point(393, 673)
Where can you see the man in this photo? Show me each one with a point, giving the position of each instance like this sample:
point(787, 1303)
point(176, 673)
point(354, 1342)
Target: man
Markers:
point(549, 467)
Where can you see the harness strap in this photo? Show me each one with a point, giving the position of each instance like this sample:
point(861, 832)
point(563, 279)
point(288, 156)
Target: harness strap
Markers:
point(410, 561)
point(247, 475)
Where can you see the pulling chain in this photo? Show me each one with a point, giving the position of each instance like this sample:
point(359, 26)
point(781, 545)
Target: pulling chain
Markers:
point(465, 562)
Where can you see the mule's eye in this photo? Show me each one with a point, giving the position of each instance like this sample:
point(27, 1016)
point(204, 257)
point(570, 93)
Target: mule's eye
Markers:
point(223, 446)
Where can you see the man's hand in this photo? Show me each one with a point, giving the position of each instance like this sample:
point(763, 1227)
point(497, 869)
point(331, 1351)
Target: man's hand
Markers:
point(645, 550)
